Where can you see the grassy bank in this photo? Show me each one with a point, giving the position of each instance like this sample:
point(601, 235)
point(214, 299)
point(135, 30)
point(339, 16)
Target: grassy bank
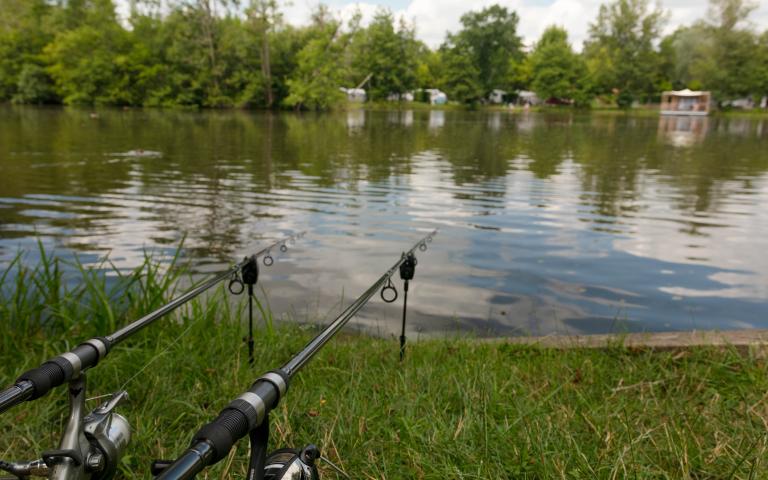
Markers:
point(454, 409)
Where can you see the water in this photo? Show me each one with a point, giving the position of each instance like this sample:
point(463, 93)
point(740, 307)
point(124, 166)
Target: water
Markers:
point(548, 223)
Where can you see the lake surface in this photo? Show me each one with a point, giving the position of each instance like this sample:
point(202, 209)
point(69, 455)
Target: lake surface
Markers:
point(548, 223)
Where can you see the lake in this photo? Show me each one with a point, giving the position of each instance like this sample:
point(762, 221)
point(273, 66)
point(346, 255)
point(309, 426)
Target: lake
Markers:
point(549, 223)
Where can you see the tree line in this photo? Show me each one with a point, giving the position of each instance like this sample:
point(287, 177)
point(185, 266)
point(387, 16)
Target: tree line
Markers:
point(235, 53)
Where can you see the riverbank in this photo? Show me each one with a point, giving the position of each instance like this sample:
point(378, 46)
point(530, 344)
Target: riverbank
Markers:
point(455, 408)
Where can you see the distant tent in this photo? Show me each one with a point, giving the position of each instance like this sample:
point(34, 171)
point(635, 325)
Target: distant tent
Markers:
point(436, 97)
point(524, 97)
point(354, 94)
point(497, 96)
point(745, 103)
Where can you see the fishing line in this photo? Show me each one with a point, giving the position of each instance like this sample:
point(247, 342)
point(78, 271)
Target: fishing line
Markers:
point(247, 275)
point(236, 286)
point(165, 350)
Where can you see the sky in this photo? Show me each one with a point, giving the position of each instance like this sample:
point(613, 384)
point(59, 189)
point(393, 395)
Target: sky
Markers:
point(434, 18)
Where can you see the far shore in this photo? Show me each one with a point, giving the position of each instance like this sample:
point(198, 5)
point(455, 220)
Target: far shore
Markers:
point(649, 110)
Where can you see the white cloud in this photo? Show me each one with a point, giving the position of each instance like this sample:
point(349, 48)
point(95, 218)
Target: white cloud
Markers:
point(434, 18)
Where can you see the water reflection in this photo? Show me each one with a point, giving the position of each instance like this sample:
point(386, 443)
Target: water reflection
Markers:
point(682, 131)
point(436, 119)
point(550, 223)
point(355, 119)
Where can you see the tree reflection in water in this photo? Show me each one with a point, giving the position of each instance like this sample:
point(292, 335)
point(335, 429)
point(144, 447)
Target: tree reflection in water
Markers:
point(551, 223)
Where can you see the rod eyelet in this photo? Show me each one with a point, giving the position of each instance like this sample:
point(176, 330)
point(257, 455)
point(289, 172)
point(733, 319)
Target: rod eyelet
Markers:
point(268, 260)
point(389, 292)
point(236, 286)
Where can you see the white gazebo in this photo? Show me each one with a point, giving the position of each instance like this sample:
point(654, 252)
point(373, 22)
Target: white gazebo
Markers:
point(685, 102)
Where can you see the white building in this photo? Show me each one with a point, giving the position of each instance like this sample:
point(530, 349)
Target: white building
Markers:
point(685, 102)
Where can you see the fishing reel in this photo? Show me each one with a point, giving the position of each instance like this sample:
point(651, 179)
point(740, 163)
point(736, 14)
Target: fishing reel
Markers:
point(281, 464)
point(292, 464)
point(92, 444)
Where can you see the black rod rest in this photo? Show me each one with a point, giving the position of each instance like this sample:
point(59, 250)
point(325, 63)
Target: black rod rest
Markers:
point(407, 271)
point(250, 274)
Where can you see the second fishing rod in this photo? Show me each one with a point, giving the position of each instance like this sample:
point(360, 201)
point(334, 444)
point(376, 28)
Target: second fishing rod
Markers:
point(248, 414)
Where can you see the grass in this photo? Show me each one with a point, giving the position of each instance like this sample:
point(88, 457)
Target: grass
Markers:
point(456, 408)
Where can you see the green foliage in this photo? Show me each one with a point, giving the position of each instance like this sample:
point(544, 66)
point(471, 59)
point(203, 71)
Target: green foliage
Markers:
point(429, 68)
point(762, 65)
point(556, 71)
point(388, 54)
point(461, 79)
point(732, 71)
point(24, 30)
point(489, 40)
point(34, 85)
point(620, 50)
point(722, 54)
point(319, 71)
point(235, 53)
point(90, 65)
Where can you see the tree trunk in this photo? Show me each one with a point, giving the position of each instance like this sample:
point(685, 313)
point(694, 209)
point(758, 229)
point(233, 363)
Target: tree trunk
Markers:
point(266, 68)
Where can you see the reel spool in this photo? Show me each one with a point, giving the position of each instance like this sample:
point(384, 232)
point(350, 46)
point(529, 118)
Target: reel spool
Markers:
point(292, 464)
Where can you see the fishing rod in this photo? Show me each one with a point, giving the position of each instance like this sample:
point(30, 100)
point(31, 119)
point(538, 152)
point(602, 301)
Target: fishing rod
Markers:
point(92, 444)
point(248, 414)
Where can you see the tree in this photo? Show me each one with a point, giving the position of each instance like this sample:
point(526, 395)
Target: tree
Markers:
point(25, 28)
point(620, 50)
point(460, 76)
point(762, 65)
point(89, 63)
point(263, 15)
point(686, 57)
point(732, 71)
point(720, 54)
point(429, 67)
point(388, 54)
point(489, 40)
point(319, 67)
point(34, 86)
point(556, 71)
